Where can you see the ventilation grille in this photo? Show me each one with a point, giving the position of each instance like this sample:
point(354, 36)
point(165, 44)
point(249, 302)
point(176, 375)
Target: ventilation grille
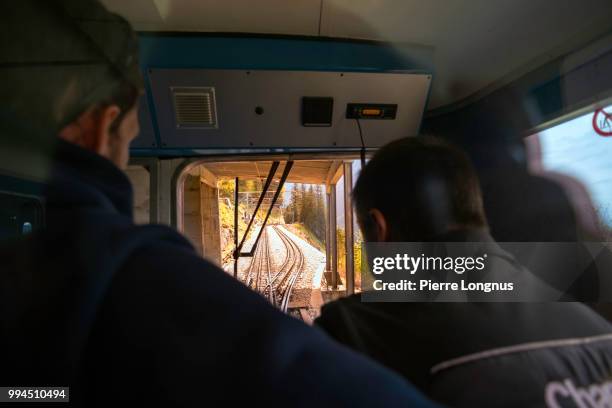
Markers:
point(195, 107)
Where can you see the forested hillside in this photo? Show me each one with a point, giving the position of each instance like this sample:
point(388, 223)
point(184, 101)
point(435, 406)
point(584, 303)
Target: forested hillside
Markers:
point(306, 205)
point(249, 192)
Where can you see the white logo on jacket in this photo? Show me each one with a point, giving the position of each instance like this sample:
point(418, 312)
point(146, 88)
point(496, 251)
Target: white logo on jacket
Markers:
point(559, 393)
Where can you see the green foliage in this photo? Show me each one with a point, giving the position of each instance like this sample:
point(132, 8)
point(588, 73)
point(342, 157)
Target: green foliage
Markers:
point(245, 210)
point(357, 241)
point(226, 189)
point(357, 252)
point(307, 206)
point(341, 253)
point(226, 220)
point(306, 209)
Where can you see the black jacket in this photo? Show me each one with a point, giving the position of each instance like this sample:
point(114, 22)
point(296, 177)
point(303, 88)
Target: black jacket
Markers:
point(129, 314)
point(482, 354)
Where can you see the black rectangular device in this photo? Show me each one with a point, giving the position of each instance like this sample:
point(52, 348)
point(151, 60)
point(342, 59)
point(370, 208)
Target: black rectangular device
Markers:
point(317, 111)
point(371, 111)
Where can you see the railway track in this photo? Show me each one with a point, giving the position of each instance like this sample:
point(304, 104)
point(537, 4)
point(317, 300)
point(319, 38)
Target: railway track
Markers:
point(259, 275)
point(290, 270)
point(276, 287)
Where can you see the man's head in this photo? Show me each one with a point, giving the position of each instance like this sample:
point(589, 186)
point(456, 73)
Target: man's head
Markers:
point(73, 72)
point(416, 188)
point(108, 127)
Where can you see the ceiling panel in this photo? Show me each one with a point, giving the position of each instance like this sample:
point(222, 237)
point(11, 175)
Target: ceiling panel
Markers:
point(137, 12)
point(475, 43)
point(277, 96)
point(299, 17)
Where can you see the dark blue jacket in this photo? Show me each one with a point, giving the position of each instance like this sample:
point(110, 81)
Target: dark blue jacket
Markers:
point(131, 314)
point(485, 354)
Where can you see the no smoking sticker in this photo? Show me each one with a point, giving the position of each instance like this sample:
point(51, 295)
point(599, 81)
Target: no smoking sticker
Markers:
point(602, 122)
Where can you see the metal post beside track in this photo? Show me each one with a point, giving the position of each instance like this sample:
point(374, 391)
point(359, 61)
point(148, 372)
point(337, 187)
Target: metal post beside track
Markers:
point(236, 249)
point(348, 223)
point(334, 237)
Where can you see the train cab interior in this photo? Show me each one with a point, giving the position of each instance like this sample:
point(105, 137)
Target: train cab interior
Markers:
point(257, 118)
point(249, 112)
point(250, 126)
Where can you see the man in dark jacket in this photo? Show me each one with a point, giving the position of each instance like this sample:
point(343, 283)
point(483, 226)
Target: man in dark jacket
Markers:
point(127, 314)
point(471, 354)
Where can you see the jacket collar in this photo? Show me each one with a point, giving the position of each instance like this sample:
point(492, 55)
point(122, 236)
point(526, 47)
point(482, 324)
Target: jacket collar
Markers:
point(480, 236)
point(81, 178)
point(465, 235)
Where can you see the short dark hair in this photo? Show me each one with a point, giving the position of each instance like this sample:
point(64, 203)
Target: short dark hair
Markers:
point(125, 96)
point(423, 186)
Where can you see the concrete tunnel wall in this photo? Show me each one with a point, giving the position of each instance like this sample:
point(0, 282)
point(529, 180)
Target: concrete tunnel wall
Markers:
point(201, 217)
point(140, 179)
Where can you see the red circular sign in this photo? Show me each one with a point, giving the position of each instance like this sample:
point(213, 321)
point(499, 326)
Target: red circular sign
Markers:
point(602, 122)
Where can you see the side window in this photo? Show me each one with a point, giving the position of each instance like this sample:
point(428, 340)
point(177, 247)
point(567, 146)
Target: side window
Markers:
point(19, 215)
point(578, 154)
